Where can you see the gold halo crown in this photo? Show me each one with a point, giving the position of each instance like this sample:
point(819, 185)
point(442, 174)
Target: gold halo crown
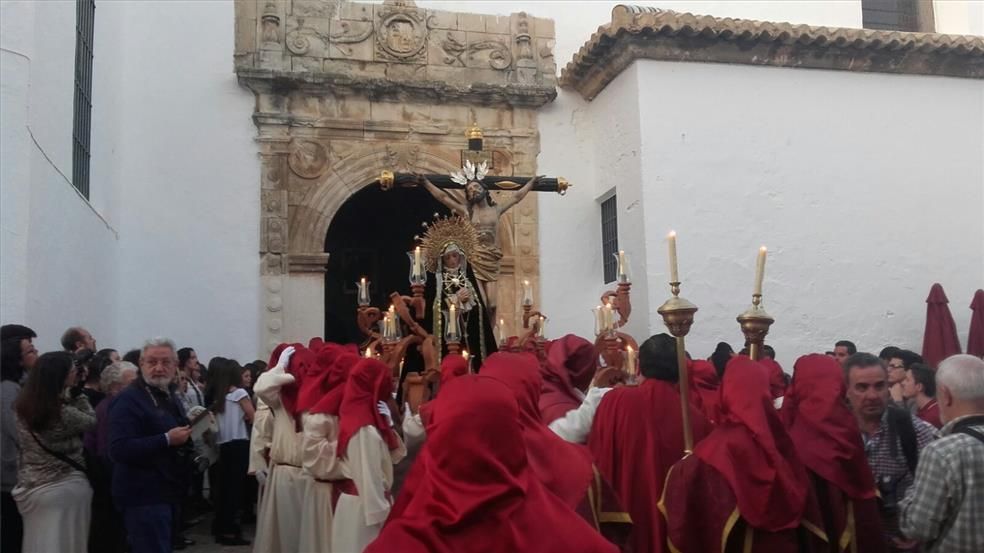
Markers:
point(446, 231)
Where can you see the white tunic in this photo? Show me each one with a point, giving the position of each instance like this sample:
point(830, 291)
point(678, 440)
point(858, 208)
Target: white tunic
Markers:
point(358, 518)
point(575, 426)
point(321, 462)
point(279, 524)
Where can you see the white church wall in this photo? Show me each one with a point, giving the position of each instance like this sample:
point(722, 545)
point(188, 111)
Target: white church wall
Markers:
point(959, 17)
point(864, 192)
point(58, 253)
point(189, 183)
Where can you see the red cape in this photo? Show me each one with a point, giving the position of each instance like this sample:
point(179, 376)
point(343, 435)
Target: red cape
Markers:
point(705, 388)
point(368, 384)
point(570, 365)
point(753, 452)
point(940, 339)
point(636, 437)
point(333, 384)
point(975, 338)
point(473, 488)
point(564, 468)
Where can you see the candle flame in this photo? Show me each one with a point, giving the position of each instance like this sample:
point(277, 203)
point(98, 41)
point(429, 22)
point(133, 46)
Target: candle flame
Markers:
point(763, 249)
point(629, 349)
point(465, 354)
point(672, 234)
point(368, 353)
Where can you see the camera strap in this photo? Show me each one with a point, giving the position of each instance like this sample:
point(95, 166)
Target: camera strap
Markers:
point(61, 457)
point(964, 427)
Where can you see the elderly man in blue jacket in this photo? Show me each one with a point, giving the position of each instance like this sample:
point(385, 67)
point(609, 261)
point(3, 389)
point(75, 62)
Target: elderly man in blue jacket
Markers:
point(148, 433)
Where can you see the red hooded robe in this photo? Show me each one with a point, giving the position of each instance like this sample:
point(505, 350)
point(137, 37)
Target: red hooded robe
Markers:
point(570, 365)
point(475, 488)
point(828, 441)
point(636, 437)
point(743, 489)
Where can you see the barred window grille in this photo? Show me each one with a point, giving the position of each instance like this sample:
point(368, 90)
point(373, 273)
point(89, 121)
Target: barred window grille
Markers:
point(890, 15)
point(609, 238)
point(85, 11)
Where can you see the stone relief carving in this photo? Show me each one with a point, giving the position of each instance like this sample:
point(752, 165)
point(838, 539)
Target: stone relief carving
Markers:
point(271, 23)
point(526, 69)
point(402, 157)
point(314, 8)
point(401, 33)
point(351, 32)
point(454, 49)
point(308, 159)
point(276, 235)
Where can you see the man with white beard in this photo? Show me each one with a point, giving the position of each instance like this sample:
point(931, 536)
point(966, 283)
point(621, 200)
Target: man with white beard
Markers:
point(148, 443)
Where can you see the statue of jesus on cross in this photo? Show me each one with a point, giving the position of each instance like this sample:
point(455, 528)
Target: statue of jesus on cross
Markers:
point(484, 213)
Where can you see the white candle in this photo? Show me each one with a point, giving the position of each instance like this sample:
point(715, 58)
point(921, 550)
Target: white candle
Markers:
point(671, 241)
point(609, 318)
point(542, 327)
point(760, 271)
point(368, 353)
point(630, 360)
point(416, 262)
point(599, 315)
point(452, 320)
point(622, 275)
point(363, 292)
point(501, 330)
point(527, 293)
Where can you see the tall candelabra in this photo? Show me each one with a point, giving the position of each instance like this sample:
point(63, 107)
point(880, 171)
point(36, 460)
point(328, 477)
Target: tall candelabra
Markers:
point(678, 316)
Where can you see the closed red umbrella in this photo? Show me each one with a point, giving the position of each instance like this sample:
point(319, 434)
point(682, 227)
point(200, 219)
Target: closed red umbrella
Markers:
point(940, 340)
point(975, 339)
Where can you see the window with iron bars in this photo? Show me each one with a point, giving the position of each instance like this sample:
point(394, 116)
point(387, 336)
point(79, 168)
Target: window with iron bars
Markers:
point(609, 238)
point(85, 11)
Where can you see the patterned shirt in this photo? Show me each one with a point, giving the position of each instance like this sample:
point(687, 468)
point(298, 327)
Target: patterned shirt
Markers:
point(946, 506)
point(892, 475)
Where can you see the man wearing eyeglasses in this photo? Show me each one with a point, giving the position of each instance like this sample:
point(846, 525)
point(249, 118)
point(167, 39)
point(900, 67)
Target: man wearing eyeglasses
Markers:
point(148, 444)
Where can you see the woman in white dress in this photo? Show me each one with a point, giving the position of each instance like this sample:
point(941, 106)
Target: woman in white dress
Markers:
point(53, 494)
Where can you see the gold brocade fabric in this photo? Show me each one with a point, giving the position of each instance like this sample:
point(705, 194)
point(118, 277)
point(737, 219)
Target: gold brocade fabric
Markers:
point(486, 262)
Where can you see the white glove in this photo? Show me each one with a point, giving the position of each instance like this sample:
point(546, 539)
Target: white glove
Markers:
point(261, 476)
point(284, 359)
point(384, 410)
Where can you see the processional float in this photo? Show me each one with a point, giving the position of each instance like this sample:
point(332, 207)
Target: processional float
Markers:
point(389, 334)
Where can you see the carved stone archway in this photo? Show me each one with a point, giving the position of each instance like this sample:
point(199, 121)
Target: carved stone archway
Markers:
point(345, 90)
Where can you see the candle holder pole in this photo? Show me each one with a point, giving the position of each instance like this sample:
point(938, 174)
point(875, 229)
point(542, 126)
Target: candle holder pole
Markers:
point(678, 315)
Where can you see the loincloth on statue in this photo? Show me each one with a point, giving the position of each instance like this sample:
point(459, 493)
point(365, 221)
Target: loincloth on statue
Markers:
point(486, 262)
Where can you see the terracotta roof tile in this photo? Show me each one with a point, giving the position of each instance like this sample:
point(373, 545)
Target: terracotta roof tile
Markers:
point(642, 32)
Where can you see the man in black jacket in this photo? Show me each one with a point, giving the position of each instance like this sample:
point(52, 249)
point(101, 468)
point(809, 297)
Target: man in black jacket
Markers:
point(148, 433)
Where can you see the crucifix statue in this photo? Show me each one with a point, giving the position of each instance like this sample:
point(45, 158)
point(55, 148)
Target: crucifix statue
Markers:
point(478, 205)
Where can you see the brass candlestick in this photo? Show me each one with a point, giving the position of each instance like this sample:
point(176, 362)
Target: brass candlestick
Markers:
point(454, 348)
point(418, 300)
point(755, 323)
point(678, 315)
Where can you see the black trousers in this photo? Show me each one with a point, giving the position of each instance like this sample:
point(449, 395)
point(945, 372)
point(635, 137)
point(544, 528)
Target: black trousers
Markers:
point(11, 525)
point(233, 464)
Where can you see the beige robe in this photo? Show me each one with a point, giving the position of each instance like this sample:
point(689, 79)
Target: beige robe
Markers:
point(321, 462)
point(279, 525)
point(359, 518)
point(259, 442)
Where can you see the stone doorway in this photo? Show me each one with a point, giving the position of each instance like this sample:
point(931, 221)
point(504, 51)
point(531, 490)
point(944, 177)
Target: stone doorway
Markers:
point(345, 90)
point(372, 248)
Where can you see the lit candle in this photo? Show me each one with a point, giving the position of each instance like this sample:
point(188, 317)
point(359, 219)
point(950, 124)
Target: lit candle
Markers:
point(527, 293)
point(363, 292)
point(609, 319)
point(368, 353)
point(541, 329)
point(674, 273)
point(623, 275)
point(760, 271)
point(452, 322)
point(417, 265)
point(599, 316)
point(630, 360)
point(501, 330)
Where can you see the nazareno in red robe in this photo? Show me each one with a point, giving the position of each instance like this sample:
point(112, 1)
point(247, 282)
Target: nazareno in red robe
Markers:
point(473, 487)
point(565, 469)
point(636, 437)
point(828, 441)
point(743, 489)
